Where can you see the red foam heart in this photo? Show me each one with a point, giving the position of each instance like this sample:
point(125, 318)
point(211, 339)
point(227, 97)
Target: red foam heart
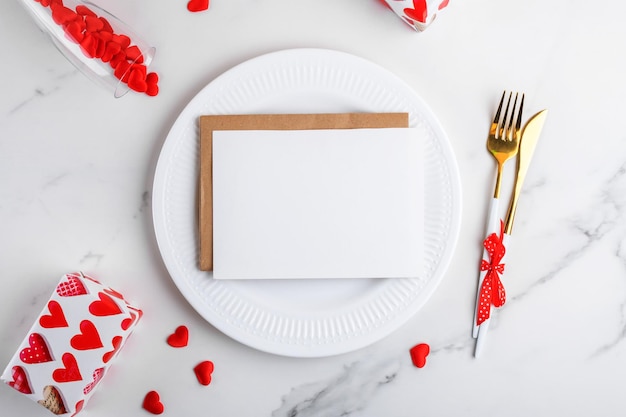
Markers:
point(197, 5)
point(152, 90)
point(152, 403)
point(70, 372)
point(20, 380)
point(74, 31)
point(419, 11)
point(117, 342)
point(419, 353)
point(55, 319)
point(137, 81)
point(72, 287)
point(63, 15)
point(111, 50)
point(97, 376)
point(122, 69)
point(106, 306)
point(180, 337)
point(106, 26)
point(85, 11)
point(88, 338)
point(37, 352)
point(93, 24)
point(203, 372)
point(134, 55)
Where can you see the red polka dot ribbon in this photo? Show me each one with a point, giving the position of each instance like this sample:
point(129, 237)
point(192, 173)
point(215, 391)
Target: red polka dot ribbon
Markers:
point(492, 290)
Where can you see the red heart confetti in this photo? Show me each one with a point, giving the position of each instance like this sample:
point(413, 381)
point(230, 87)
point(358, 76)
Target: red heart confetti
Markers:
point(117, 343)
point(195, 6)
point(106, 306)
point(37, 352)
point(180, 337)
point(20, 380)
point(443, 4)
point(55, 319)
point(70, 372)
point(419, 353)
point(152, 403)
point(419, 11)
point(95, 34)
point(97, 376)
point(88, 338)
point(72, 287)
point(203, 372)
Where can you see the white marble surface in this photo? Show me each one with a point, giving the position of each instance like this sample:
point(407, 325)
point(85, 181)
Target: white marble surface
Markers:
point(76, 168)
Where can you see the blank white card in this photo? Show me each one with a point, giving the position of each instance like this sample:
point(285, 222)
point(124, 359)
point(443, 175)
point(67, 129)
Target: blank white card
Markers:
point(344, 203)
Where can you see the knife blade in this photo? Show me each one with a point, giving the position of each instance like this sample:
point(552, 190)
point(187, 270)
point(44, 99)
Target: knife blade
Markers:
point(528, 142)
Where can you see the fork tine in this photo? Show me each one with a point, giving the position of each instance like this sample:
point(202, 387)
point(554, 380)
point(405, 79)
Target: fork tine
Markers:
point(496, 118)
point(502, 125)
point(512, 121)
point(518, 125)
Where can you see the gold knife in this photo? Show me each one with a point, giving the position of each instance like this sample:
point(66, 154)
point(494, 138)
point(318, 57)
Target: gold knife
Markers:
point(528, 142)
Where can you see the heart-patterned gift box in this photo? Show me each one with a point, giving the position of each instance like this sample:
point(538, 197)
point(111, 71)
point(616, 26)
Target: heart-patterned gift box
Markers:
point(71, 344)
point(418, 14)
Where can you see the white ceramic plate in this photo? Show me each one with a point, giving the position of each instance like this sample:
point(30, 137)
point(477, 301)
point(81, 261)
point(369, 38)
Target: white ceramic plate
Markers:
point(302, 318)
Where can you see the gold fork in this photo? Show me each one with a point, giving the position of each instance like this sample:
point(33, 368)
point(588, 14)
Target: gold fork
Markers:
point(503, 143)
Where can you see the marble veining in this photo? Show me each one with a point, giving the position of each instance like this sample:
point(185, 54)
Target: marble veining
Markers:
point(345, 394)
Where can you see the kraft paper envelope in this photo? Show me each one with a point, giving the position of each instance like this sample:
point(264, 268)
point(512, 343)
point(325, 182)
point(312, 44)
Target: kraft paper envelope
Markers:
point(210, 123)
point(329, 203)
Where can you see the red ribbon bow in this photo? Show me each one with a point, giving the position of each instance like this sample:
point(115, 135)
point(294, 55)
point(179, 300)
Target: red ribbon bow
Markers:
point(492, 290)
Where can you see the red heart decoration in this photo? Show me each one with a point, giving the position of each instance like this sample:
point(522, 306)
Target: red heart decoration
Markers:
point(197, 5)
point(152, 403)
point(117, 342)
point(203, 372)
point(74, 31)
point(137, 81)
point(180, 337)
point(111, 291)
point(37, 352)
point(93, 24)
point(63, 15)
point(88, 338)
point(126, 323)
point(72, 287)
point(79, 406)
point(20, 380)
point(92, 279)
point(83, 10)
point(419, 353)
point(419, 11)
point(55, 319)
point(443, 4)
point(104, 307)
point(97, 376)
point(70, 372)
